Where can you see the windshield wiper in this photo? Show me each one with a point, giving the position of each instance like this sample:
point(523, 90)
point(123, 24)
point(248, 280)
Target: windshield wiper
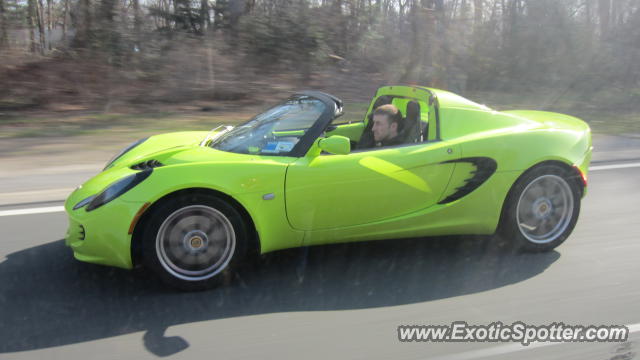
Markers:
point(209, 138)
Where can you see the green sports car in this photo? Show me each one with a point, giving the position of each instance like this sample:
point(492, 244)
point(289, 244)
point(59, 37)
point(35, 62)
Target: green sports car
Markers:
point(192, 205)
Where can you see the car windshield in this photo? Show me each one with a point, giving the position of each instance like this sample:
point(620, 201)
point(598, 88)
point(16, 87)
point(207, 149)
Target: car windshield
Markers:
point(275, 131)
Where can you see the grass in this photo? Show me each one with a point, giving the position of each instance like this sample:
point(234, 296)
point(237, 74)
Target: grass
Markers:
point(93, 124)
point(601, 119)
point(141, 124)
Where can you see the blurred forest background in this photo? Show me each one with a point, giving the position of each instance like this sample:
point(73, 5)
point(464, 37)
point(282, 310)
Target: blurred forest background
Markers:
point(128, 56)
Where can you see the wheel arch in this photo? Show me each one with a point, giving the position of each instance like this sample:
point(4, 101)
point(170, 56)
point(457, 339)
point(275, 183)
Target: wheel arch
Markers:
point(138, 231)
point(576, 177)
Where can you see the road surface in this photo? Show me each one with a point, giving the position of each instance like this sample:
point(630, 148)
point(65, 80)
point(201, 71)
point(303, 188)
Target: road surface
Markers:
point(331, 302)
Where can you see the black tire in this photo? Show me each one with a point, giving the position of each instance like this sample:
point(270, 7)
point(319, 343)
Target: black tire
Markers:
point(545, 197)
point(179, 243)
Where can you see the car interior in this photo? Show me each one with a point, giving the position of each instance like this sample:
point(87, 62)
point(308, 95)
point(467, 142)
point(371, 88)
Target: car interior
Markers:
point(413, 129)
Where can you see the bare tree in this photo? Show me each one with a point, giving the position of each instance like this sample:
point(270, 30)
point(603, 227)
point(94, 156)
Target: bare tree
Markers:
point(49, 22)
point(477, 12)
point(31, 14)
point(4, 41)
point(105, 20)
point(137, 22)
point(604, 11)
point(422, 22)
point(82, 24)
point(41, 25)
point(205, 20)
point(65, 15)
point(476, 43)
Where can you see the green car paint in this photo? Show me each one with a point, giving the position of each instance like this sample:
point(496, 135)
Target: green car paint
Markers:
point(382, 184)
point(335, 144)
point(332, 193)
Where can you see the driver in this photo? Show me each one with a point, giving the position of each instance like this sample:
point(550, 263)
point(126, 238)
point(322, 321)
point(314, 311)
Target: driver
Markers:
point(387, 124)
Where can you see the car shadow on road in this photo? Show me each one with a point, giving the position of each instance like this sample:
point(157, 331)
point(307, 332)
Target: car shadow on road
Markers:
point(48, 299)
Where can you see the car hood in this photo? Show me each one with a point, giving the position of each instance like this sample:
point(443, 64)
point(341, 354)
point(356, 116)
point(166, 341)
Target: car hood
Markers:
point(168, 149)
point(176, 148)
point(160, 145)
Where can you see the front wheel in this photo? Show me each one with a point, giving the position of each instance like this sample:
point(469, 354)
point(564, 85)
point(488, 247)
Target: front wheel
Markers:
point(542, 209)
point(194, 240)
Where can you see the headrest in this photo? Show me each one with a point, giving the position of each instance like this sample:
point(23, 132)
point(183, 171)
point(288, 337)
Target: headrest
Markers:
point(413, 111)
point(382, 100)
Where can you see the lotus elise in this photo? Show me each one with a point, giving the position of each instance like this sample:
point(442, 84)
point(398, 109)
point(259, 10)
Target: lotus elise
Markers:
point(192, 205)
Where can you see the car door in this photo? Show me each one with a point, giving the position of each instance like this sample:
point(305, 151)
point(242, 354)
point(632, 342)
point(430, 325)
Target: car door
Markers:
point(335, 191)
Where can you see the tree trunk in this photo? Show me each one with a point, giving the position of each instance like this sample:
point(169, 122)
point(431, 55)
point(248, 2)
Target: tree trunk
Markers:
point(205, 22)
point(40, 22)
point(83, 25)
point(105, 21)
point(477, 12)
point(107, 8)
point(417, 23)
point(65, 14)
point(440, 53)
point(4, 41)
point(137, 21)
point(454, 9)
point(31, 10)
point(166, 7)
point(49, 23)
point(614, 17)
point(505, 22)
point(604, 11)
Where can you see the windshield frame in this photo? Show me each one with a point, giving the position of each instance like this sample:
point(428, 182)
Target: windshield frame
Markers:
point(332, 108)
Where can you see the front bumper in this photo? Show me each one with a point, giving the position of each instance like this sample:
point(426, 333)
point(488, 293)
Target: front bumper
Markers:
point(583, 166)
point(101, 236)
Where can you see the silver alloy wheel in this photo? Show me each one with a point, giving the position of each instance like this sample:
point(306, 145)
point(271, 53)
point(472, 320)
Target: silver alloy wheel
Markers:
point(195, 242)
point(544, 209)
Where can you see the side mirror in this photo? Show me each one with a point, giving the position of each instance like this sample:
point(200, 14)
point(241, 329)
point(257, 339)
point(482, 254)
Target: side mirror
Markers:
point(335, 144)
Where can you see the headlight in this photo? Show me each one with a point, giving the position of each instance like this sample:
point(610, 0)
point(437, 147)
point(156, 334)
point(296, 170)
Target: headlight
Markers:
point(118, 188)
point(124, 151)
point(83, 202)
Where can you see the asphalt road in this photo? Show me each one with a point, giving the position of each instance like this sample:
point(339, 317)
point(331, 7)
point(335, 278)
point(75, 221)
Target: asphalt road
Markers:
point(329, 302)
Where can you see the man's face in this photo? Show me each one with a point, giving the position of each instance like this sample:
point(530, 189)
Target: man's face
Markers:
point(383, 128)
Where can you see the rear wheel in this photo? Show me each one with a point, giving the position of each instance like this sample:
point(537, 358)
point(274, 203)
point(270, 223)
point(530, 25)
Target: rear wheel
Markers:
point(194, 241)
point(542, 209)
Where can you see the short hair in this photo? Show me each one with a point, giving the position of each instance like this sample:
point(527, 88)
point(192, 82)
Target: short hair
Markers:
point(391, 111)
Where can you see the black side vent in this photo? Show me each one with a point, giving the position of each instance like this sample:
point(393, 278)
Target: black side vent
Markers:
point(485, 167)
point(146, 165)
point(81, 233)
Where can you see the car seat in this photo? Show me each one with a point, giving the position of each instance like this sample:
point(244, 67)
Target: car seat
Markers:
point(414, 129)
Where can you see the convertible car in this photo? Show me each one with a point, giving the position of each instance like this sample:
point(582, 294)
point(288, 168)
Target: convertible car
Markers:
point(192, 205)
